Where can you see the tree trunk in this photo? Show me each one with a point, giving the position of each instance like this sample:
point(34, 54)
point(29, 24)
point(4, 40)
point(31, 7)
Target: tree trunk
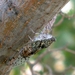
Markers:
point(16, 21)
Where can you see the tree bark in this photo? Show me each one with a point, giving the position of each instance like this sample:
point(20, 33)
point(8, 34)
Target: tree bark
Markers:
point(14, 30)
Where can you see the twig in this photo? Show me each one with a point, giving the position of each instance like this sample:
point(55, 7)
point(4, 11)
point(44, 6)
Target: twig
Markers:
point(70, 67)
point(31, 67)
point(60, 21)
point(71, 51)
point(52, 50)
point(49, 69)
point(45, 53)
point(66, 15)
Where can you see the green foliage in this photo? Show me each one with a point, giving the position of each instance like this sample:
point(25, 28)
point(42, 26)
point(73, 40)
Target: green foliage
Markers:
point(65, 35)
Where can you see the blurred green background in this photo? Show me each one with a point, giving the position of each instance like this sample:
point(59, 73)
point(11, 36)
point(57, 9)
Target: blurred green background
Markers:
point(57, 61)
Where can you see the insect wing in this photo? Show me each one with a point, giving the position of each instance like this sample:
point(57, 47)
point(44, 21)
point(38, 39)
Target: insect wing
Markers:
point(19, 61)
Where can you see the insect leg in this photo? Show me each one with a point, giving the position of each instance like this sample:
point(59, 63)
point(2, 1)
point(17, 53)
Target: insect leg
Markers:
point(30, 38)
point(33, 31)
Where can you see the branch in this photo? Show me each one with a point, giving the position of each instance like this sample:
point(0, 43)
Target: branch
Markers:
point(60, 21)
point(66, 15)
point(71, 51)
point(49, 69)
point(31, 67)
point(52, 50)
point(70, 67)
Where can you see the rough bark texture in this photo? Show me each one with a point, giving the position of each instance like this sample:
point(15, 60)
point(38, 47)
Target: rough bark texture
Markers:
point(14, 32)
